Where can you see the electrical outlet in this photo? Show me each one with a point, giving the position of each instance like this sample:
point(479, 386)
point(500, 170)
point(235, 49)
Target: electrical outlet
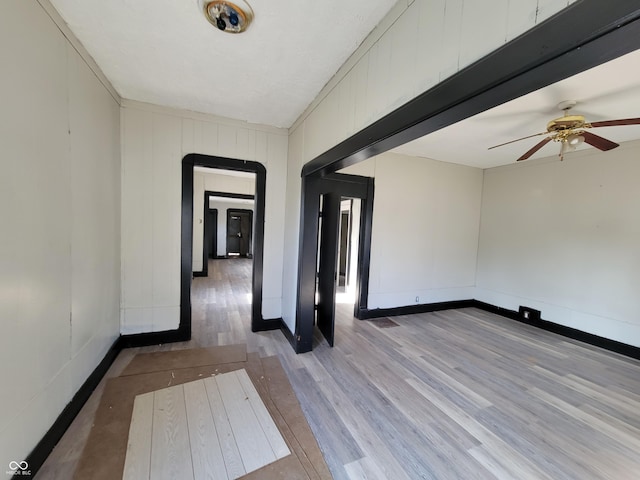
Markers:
point(529, 314)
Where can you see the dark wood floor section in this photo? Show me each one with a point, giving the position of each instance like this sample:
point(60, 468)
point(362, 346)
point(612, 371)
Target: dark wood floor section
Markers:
point(458, 394)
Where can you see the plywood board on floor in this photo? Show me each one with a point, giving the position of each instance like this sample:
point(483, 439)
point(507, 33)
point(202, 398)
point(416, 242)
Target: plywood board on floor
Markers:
point(104, 454)
point(187, 422)
point(195, 357)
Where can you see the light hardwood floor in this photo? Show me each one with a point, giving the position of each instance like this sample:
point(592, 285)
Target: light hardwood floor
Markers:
point(453, 394)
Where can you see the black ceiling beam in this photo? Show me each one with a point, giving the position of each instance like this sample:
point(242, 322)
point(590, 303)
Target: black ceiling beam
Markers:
point(584, 35)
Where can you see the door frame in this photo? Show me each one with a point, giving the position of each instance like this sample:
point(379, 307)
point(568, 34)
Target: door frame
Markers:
point(547, 53)
point(313, 187)
point(213, 233)
point(212, 193)
point(241, 211)
point(258, 323)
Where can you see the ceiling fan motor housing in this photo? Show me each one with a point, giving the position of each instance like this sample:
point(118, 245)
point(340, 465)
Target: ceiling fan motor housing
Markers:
point(569, 122)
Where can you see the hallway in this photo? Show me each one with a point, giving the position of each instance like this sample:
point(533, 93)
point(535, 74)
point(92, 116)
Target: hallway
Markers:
point(221, 304)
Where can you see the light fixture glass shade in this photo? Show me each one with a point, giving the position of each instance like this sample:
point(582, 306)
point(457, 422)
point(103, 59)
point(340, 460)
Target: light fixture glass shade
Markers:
point(575, 139)
point(227, 16)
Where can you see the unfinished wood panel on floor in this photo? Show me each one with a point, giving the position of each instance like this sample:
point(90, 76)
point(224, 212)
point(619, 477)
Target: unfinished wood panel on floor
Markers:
point(265, 420)
point(252, 442)
point(206, 452)
point(170, 448)
point(230, 452)
point(216, 428)
point(138, 461)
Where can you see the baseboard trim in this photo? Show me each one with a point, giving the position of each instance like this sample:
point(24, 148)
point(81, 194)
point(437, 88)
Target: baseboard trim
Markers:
point(575, 334)
point(201, 273)
point(291, 338)
point(268, 324)
point(589, 338)
point(45, 446)
point(365, 313)
point(154, 338)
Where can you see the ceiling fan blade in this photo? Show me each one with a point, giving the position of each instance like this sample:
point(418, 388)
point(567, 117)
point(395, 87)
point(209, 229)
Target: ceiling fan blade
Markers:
point(615, 123)
point(537, 147)
point(598, 141)
point(513, 141)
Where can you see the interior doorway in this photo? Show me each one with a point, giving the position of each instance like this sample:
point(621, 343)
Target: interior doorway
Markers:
point(239, 233)
point(348, 250)
point(189, 238)
point(211, 233)
point(338, 249)
point(324, 198)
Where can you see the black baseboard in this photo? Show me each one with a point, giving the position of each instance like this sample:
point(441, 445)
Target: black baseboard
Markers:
point(589, 338)
point(50, 439)
point(268, 324)
point(364, 313)
point(201, 273)
point(154, 338)
point(289, 336)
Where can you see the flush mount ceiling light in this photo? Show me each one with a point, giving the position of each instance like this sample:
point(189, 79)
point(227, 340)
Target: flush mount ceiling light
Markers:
point(227, 16)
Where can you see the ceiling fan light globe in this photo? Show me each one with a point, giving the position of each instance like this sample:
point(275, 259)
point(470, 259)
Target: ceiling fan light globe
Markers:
point(575, 139)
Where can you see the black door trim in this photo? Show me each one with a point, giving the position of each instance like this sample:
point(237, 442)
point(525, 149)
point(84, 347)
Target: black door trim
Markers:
point(244, 196)
point(258, 323)
point(354, 186)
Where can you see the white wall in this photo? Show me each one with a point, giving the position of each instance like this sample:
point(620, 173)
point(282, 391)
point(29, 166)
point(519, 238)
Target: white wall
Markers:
point(563, 237)
point(426, 216)
point(214, 182)
point(60, 210)
point(154, 141)
point(418, 44)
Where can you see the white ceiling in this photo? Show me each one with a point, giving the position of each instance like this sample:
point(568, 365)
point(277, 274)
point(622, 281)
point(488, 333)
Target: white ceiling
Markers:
point(165, 52)
point(607, 92)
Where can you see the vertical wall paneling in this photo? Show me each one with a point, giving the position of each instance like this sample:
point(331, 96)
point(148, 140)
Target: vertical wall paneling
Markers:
point(291, 227)
point(429, 43)
point(166, 147)
point(493, 31)
point(60, 207)
point(277, 150)
point(154, 141)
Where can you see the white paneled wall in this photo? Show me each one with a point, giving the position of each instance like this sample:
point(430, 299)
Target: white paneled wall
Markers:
point(154, 142)
point(418, 44)
point(562, 237)
point(215, 183)
point(60, 210)
point(426, 217)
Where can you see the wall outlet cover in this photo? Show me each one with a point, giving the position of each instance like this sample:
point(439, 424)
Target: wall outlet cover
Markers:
point(529, 314)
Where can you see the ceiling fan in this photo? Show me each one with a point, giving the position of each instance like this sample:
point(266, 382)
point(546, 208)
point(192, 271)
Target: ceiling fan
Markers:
point(571, 131)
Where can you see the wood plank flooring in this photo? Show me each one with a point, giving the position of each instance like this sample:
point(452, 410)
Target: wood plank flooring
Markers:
point(215, 428)
point(455, 394)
